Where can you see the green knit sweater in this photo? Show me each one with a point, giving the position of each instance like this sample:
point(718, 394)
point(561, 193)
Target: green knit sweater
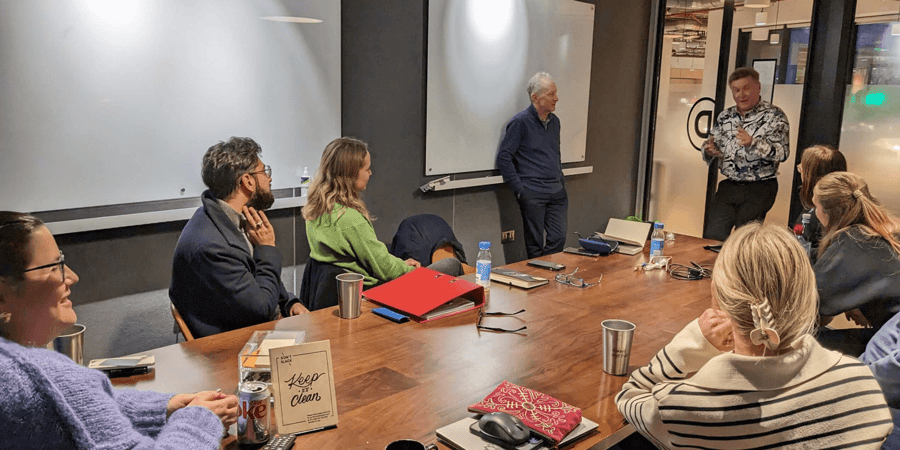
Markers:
point(345, 238)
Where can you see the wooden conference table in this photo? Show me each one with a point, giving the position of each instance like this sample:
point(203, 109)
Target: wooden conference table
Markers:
point(396, 381)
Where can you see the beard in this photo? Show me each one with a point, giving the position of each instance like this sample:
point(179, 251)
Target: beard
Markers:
point(261, 200)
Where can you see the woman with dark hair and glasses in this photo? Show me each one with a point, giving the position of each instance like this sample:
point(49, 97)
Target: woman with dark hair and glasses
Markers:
point(49, 401)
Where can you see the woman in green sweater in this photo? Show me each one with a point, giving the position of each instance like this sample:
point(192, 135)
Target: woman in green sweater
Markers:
point(338, 224)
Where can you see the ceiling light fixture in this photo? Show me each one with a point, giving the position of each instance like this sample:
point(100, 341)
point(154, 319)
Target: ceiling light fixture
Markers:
point(775, 37)
point(761, 18)
point(290, 19)
point(759, 34)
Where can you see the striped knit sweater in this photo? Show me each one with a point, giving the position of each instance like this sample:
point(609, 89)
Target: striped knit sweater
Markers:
point(809, 398)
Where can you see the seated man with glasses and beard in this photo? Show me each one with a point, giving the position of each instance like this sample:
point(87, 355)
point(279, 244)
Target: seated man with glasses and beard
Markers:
point(227, 272)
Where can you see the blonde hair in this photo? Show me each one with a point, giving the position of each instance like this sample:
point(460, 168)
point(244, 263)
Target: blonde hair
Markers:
point(335, 181)
point(845, 199)
point(764, 267)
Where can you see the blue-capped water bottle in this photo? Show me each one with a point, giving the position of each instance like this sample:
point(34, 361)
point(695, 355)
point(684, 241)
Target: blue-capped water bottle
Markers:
point(657, 240)
point(483, 265)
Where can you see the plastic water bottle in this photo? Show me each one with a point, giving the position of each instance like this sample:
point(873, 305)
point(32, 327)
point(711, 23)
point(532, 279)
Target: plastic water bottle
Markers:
point(304, 182)
point(804, 221)
point(657, 240)
point(483, 265)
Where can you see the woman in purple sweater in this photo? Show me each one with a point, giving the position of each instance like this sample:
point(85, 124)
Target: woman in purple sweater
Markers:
point(47, 400)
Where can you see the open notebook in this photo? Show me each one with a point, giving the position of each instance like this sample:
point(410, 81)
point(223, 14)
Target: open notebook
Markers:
point(631, 235)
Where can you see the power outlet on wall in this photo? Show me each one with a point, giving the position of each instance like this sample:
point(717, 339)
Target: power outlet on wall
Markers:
point(507, 236)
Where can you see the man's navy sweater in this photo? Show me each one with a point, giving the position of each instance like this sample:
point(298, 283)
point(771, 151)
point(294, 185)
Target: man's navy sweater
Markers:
point(529, 154)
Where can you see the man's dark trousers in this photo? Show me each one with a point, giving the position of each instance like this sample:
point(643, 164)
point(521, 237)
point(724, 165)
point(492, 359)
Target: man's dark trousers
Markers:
point(737, 203)
point(544, 213)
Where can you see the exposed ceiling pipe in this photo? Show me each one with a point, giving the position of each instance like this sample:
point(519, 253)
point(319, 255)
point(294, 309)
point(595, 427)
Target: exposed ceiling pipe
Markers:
point(715, 5)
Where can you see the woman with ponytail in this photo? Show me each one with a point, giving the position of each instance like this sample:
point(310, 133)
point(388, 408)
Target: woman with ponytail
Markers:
point(858, 269)
point(747, 373)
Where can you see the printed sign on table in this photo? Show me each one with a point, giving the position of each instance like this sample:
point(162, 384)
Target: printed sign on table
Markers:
point(303, 385)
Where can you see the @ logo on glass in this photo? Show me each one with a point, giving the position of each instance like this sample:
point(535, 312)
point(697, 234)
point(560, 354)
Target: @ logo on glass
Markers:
point(700, 121)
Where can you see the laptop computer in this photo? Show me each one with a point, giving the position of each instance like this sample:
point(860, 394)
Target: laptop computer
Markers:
point(632, 236)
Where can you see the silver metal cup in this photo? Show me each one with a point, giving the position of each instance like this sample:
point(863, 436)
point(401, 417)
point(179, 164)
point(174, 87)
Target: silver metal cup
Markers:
point(617, 335)
point(70, 343)
point(350, 287)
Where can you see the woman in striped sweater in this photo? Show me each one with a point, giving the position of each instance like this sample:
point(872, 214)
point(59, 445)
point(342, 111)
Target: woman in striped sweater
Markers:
point(760, 380)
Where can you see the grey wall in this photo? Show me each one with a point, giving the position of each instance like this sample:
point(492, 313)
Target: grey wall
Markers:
point(125, 272)
point(384, 46)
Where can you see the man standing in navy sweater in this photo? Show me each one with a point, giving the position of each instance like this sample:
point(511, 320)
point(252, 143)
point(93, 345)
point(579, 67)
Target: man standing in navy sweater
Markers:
point(530, 163)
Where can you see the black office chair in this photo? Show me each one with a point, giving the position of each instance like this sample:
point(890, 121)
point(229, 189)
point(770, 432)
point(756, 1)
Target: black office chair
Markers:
point(318, 288)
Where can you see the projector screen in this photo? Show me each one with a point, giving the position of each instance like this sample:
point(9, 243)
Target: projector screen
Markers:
point(481, 54)
point(107, 102)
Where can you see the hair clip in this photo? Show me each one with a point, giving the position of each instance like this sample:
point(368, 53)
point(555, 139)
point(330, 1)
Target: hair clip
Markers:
point(4, 317)
point(766, 336)
point(762, 315)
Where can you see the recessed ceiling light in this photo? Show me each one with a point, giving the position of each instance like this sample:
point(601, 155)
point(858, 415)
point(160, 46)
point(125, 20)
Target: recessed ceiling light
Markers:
point(761, 18)
point(291, 19)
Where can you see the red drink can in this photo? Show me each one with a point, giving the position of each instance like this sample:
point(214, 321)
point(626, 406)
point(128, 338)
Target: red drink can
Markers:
point(253, 413)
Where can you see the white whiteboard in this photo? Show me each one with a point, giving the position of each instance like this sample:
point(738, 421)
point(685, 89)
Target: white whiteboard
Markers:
point(481, 54)
point(115, 101)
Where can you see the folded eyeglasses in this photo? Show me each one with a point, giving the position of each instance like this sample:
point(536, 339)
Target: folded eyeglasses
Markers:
point(481, 315)
point(573, 281)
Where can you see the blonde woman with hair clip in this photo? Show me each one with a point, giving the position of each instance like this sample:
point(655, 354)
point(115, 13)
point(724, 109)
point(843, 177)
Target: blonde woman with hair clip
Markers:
point(338, 224)
point(858, 269)
point(760, 380)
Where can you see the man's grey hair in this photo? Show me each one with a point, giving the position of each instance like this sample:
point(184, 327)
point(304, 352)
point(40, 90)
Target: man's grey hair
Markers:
point(539, 83)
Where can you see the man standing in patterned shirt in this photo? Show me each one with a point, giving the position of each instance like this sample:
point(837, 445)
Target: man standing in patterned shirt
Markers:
point(749, 140)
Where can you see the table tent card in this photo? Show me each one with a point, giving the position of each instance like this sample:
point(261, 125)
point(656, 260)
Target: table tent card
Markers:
point(303, 386)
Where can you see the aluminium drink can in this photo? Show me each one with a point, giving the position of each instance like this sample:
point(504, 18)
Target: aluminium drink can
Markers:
point(253, 413)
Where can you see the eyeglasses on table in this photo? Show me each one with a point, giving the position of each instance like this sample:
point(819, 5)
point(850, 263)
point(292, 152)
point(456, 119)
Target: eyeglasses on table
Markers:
point(571, 280)
point(482, 313)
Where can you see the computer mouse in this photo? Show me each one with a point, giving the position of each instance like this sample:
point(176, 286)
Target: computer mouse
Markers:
point(504, 427)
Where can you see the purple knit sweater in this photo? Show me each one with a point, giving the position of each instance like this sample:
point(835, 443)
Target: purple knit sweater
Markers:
point(49, 402)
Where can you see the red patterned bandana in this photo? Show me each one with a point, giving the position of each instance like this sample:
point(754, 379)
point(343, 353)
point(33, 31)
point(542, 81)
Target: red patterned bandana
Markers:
point(545, 415)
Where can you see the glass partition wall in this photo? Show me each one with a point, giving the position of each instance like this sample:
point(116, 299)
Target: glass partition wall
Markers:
point(775, 43)
point(870, 132)
point(687, 88)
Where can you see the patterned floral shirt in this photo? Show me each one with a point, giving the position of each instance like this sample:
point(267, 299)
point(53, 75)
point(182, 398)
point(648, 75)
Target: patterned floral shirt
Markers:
point(768, 125)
